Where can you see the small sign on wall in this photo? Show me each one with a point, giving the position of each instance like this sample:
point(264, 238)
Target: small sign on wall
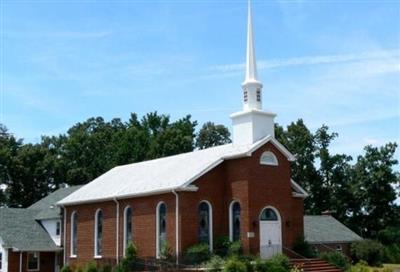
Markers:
point(250, 235)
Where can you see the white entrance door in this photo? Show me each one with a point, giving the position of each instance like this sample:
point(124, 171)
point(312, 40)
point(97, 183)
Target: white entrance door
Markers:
point(270, 233)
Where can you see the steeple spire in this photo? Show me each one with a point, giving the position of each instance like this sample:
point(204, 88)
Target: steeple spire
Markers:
point(251, 86)
point(251, 65)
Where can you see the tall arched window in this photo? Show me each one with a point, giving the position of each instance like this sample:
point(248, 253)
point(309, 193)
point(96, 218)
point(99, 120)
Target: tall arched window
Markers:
point(127, 227)
point(74, 233)
point(98, 233)
point(234, 221)
point(205, 223)
point(161, 227)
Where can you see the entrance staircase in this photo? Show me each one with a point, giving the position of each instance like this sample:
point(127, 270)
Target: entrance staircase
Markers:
point(314, 265)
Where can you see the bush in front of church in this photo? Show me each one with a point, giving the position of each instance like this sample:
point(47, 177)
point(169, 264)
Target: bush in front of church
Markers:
point(197, 254)
point(235, 265)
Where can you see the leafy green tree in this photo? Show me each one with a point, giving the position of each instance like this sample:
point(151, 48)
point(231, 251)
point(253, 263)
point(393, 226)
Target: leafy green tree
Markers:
point(211, 135)
point(301, 142)
point(375, 181)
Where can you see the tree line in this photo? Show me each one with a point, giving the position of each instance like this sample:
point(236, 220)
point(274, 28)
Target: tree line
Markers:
point(361, 191)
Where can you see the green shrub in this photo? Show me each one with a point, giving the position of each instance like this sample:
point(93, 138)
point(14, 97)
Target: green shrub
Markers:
point(198, 253)
point(248, 260)
point(391, 254)
point(302, 247)
point(91, 267)
point(235, 249)
point(336, 258)
point(359, 267)
point(66, 268)
point(235, 265)
point(278, 263)
point(260, 265)
point(106, 268)
point(369, 251)
point(166, 253)
point(128, 263)
point(215, 264)
point(222, 245)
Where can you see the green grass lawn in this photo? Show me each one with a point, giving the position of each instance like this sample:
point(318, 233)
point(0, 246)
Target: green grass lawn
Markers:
point(395, 267)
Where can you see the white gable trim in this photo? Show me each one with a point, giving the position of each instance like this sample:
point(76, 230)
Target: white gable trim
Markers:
point(277, 144)
point(299, 191)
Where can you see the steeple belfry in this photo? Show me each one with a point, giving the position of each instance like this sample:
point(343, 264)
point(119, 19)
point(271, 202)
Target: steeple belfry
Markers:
point(252, 87)
point(252, 123)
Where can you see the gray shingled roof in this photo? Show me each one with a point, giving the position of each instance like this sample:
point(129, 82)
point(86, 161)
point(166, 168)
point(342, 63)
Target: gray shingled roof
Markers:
point(325, 229)
point(20, 230)
point(47, 205)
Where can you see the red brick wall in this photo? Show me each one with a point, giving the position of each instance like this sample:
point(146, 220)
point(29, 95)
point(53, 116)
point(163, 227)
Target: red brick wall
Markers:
point(46, 261)
point(255, 186)
point(144, 228)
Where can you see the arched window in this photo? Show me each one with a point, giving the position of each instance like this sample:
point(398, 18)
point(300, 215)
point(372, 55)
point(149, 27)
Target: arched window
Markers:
point(98, 233)
point(74, 233)
point(268, 158)
point(127, 227)
point(269, 214)
point(161, 227)
point(205, 223)
point(234, 221)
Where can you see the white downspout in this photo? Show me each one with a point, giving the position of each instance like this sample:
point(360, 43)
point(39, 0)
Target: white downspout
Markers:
point(117, 230)
point(64, 235)
point(176, 225)
point(20, 261)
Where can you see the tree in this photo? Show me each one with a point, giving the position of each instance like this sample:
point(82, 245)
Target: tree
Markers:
point(212, 135)
point(374, 187)
point(301, 142)
point(9, 146)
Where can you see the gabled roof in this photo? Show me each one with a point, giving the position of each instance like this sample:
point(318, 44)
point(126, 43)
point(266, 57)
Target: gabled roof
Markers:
point(47, 208)
point(162, 175)
point(19, 230)
point(326, 229)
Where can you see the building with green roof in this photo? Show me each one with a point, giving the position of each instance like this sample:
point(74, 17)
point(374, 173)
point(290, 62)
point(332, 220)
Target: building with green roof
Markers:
point(30, 239)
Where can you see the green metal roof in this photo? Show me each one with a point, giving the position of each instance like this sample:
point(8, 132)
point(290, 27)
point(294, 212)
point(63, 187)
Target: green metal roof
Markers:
point(20, 230)
point(326, 229)
point(47, 205)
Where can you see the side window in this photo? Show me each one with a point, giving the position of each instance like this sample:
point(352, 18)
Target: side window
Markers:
point(74, 233)
point(161, 227)
point(234, 224)
point(58, 228)
point(127, 227)
point(98, 233)
point(268, 158)
point(33, 261)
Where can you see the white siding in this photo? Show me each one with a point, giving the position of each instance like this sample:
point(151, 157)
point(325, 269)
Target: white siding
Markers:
point(51, 227)
point(4, 260)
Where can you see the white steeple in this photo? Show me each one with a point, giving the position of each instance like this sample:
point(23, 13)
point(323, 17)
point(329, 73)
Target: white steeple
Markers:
point(251, 65)
point(252, 88)
point(252, 123)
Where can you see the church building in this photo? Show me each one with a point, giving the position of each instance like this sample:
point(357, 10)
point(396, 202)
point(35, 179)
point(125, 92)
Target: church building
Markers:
point(242, 190)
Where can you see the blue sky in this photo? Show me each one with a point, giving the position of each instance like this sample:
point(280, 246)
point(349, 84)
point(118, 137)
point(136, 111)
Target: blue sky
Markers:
point(328, 62)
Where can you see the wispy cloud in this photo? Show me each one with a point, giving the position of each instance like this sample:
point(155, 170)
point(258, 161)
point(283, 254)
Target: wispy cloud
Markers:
point(387, 55)
point(58, 34)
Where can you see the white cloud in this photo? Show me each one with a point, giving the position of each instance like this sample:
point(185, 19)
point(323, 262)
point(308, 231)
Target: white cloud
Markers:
point(388, 56)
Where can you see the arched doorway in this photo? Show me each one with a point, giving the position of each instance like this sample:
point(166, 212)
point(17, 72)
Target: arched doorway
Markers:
point(270, 232)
